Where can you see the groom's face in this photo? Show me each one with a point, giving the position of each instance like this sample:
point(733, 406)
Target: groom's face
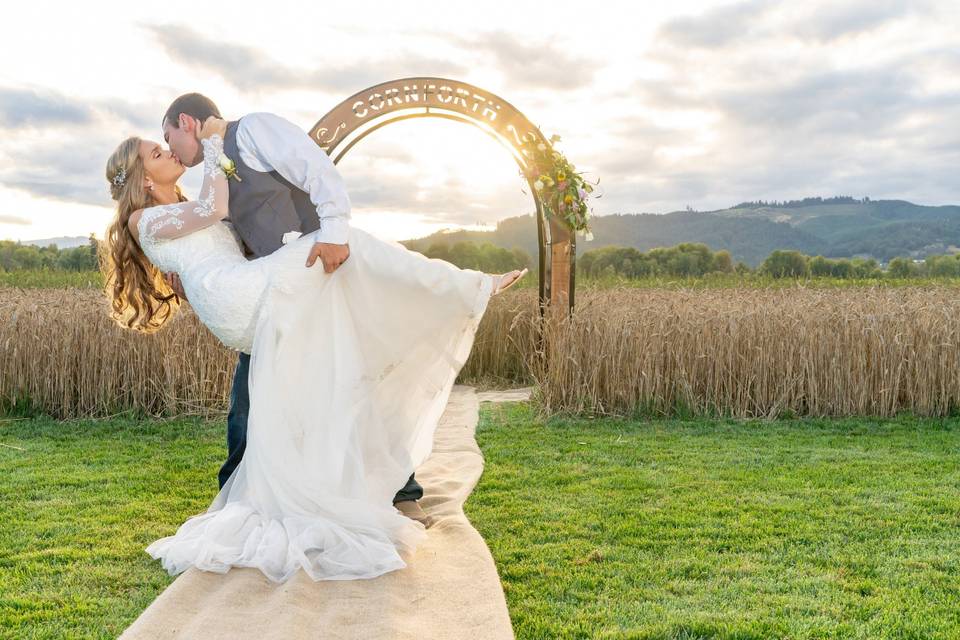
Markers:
point(181, 136)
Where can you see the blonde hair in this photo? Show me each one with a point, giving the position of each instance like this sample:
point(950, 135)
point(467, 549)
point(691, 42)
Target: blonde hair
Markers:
point(140, 298)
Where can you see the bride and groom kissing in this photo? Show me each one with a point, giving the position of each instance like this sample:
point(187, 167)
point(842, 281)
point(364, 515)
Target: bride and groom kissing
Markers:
point(342, 373)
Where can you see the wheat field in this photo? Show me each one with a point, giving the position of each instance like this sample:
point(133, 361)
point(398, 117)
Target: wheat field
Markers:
point(742, 352)
point(61, 355)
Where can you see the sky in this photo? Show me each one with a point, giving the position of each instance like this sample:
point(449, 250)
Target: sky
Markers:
point(669, 105)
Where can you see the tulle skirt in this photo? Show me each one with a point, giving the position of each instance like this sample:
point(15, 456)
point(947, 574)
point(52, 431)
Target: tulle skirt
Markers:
point(349, 374)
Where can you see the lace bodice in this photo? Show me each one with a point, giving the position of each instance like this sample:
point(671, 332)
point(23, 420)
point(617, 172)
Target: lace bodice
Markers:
point(192, 240)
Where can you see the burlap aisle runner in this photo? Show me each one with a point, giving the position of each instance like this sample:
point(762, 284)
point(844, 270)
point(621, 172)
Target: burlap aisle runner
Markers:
point(450, 588)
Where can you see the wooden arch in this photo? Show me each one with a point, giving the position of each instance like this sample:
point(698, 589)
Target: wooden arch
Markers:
point(366, 111)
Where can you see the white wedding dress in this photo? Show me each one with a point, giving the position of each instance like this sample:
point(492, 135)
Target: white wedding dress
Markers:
point(349, 374)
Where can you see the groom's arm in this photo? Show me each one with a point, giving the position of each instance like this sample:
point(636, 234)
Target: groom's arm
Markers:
point(269, 142)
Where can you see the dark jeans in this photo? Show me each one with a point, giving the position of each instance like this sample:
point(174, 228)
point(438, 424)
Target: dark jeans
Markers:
point(237, 432)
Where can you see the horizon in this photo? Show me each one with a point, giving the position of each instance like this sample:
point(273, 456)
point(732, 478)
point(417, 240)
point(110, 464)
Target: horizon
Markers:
point(701, 105)
point(491, 228)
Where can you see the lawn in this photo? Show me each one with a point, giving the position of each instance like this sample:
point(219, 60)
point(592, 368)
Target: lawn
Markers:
point(723, 529)
point(600, 528)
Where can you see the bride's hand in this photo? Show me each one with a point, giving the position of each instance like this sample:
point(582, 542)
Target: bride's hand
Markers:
point(210, 126)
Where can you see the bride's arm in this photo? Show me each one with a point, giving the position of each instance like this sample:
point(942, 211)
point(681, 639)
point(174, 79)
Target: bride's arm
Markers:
point(181, 218)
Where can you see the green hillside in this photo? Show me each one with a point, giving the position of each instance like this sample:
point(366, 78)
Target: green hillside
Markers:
point(833, 227)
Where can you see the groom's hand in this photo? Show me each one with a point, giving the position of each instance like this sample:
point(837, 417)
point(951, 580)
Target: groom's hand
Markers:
point(173, 281)
point(331, 255)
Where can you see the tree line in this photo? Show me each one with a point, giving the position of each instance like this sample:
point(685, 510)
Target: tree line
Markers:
point(26, 257)
point(688, 259)
point(694, 259)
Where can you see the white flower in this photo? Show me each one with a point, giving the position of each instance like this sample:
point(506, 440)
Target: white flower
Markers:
point(542, 147)
point(229, 167)
point(538, 185)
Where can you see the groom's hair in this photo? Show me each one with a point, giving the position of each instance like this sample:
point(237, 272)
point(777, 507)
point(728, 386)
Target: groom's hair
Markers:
point(196, 105)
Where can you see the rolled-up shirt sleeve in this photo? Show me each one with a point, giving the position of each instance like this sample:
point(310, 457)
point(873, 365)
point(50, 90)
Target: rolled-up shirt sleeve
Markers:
point(268, 142)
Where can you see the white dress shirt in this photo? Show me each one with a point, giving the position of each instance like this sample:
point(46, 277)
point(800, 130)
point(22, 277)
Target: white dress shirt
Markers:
point(267, 142)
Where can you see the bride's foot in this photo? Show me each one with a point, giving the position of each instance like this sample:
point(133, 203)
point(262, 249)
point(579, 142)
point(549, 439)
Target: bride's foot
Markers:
point(504, 281)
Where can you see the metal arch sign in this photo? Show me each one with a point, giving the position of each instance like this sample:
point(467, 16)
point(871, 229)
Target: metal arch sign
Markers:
point(374, 107)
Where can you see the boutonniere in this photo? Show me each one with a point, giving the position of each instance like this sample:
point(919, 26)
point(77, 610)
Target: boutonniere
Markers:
point(229, 167)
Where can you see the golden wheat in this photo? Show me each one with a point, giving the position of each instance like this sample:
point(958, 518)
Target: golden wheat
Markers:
point(754, 352)
point(739, 352)
point(62, 355)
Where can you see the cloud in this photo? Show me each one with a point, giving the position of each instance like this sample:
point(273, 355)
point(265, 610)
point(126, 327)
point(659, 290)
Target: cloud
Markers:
point(834, 20)
point(45, 109)
point(5, 219)
point(715, 28)
point(779, 101)
point(20, 107)
point(531, 64)
point(750, 21)
point(45, 169)
point(56, 146)
point(251, 70)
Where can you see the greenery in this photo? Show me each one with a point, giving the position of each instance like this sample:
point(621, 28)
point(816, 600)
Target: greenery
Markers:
point(599, 528)
point(25, 257)
point(51, 279)
point(696, 260)
point(715, 529)
point(609, 264)
point(480, 256)
point(561, 189)
point(687, 259)
point(80, 501)
point(840, 227)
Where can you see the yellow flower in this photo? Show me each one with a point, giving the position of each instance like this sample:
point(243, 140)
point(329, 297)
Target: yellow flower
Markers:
point(561, 176)
point(568, 198)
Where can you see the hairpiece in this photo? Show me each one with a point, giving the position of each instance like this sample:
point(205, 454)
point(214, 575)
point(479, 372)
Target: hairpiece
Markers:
point(120, 178)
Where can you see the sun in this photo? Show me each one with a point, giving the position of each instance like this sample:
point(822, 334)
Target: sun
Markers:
point(427, 174)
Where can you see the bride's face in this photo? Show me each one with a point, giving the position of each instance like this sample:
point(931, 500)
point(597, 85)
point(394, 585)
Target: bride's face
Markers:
point(160, 165)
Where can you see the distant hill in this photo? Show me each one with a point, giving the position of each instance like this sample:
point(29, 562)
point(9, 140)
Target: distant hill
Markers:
point(750, 231)
point(63, 242)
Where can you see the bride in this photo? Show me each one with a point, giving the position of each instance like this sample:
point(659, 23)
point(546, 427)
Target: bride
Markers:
point(349, 371)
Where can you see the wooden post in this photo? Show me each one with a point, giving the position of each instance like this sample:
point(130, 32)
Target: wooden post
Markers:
point(561, 249)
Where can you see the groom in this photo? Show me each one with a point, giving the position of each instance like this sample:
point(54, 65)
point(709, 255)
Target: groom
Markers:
point(287, 184)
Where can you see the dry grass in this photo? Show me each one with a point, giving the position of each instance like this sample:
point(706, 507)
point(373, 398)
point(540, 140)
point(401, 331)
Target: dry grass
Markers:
point(61, 355)
point(732, 351)
point(755, 352)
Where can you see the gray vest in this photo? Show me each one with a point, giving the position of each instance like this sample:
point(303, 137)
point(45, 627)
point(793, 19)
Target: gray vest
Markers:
point(264, 206)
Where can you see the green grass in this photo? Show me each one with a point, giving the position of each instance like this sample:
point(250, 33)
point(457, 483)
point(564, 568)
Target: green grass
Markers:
point(600, 528)
point(78, 506)
point(753, 281)
point(723, 529)
point(51, 279)
point(42, 279)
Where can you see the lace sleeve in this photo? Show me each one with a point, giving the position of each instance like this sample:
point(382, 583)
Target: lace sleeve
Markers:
point(168, 221)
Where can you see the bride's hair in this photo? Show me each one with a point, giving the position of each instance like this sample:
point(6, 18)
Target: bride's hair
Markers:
point(140, 298)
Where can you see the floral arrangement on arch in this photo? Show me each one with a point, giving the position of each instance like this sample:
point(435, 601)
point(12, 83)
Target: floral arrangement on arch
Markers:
point(560, 188)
